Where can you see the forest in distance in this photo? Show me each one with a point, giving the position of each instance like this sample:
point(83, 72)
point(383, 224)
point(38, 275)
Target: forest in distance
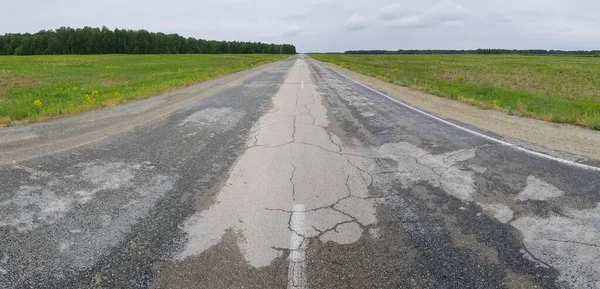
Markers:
point(87, 40)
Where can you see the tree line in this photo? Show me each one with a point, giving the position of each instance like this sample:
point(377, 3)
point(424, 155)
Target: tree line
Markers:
point(89, 40)
point(481, 51)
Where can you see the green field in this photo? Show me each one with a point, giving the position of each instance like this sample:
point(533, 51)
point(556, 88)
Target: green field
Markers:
point(564, 89)
point(34, 88)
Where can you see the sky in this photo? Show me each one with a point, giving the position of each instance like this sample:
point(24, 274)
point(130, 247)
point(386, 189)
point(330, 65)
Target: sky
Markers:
point(332, 25)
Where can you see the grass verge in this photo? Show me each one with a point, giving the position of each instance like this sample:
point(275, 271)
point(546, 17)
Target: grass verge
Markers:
point(36, 88)
point(563, 89)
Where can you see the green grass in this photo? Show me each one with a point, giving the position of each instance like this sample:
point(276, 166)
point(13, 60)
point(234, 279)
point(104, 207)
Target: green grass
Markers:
point(35, 88)
point(564, 89)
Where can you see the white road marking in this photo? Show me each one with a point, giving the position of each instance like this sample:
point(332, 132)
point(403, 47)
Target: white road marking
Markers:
point(297, 265)
point(302, 84)
point(264, 177)
point(511, 145)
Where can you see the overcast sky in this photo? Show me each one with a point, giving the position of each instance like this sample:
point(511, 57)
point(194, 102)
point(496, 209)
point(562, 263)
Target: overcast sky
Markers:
point(332, 25)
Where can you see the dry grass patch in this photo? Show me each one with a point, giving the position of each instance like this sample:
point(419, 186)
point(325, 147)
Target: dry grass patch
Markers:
point(8, 81)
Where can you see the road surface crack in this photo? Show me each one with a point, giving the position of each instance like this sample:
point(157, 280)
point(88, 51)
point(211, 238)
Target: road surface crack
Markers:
point(278, 210)
point(290, 225)
point(348, 187)
point(390, 172)
point(333, 142)
point(292, 181)
point(311, 115)
point(533, 256)
point(294, 131)
point(314, 99)
point(574, 242)
point(318, 146)
point(334, 228)
point(256, 134)
point(315, 228)
point(363, 171)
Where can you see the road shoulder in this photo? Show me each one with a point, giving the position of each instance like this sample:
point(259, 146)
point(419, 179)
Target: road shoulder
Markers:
point(546, 136)
point(38, 139)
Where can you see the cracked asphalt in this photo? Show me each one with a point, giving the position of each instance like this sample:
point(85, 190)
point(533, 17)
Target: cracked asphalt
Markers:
point(289, 176)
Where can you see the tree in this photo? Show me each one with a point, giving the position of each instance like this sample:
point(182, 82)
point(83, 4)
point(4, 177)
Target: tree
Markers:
point(88, 40)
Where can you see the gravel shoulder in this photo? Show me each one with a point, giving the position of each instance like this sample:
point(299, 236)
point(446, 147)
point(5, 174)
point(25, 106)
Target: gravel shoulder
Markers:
point(544, 135)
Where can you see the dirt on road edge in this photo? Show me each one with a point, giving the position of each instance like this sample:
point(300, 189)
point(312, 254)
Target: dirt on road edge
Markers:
point(560, 137)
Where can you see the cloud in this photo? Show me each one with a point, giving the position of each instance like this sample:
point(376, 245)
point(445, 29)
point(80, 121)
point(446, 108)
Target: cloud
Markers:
point(356, 22)
point(445, 12)
point(409, 22)
point(287, 32)
point(314, 25)
point(291, 31)
point(454, 23)
point(296, 17)
point(396, 11)
point(392, 12)
point(500, 16)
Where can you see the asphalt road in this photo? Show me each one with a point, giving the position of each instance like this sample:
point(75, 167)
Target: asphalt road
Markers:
point(290, 176)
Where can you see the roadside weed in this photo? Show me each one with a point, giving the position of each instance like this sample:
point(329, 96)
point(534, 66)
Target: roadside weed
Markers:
point(564, 89)
point(34, 88)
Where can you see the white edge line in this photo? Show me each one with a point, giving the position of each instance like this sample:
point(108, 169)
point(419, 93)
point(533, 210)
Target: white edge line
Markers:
point(519, 148)
point(297, 259)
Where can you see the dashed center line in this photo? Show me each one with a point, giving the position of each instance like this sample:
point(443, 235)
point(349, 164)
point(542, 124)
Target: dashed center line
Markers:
point(297, 259)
